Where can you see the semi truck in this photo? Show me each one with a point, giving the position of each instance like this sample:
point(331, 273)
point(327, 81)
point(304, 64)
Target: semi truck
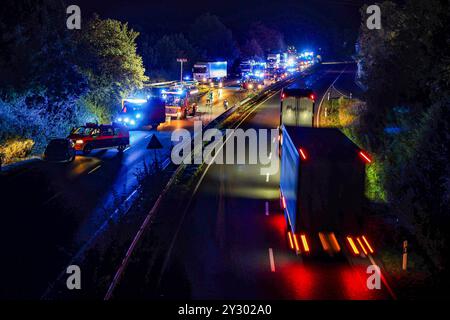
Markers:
point(209, 71)
point(322, 184)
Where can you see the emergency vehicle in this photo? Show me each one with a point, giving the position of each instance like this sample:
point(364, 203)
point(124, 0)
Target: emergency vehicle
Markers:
point(104, 136)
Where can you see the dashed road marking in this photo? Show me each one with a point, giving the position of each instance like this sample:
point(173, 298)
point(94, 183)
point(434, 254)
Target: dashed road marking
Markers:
point(95, 169)
point(272, 260)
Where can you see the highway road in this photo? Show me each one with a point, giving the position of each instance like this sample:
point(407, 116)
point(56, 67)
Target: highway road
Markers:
point(233, 245)
point(52, 211)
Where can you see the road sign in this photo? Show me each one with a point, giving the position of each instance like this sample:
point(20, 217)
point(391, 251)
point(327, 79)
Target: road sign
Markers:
point(154, 143)
point(181, 60)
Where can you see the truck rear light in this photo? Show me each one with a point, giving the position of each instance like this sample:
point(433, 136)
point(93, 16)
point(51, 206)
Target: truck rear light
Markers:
point(304, 243)
point(361, 245)
point(365, 157)
point(324, 242)
point(297, 248)
point(334, 242)
point(367, 244)
point(352, 246)
point(312, 97)
point(302, 153)
point(291, 243)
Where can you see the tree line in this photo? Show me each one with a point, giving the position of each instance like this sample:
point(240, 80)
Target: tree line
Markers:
point(406, 69)
point(53, 78)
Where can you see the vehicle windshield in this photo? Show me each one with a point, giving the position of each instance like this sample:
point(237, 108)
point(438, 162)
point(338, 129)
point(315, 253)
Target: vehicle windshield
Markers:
point(199, 69)
point(85, 131)
point(174, 100)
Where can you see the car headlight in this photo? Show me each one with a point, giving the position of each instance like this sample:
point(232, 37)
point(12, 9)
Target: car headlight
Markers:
point(126, 120)
point(79, 142)
point(119, 119)
point(138, 116)
point(132, 122)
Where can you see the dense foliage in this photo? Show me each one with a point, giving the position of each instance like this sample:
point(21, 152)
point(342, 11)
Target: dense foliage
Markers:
point(53, 78)
point(406, 69)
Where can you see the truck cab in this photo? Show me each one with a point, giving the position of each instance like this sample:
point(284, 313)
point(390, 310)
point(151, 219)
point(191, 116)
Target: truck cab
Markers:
point(138, 113)
point(180, 102)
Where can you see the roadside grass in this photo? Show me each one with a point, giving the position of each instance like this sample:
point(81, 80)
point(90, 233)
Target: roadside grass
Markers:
point(343, 113)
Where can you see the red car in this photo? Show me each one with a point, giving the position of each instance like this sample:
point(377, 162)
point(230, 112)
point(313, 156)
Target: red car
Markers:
point(104, 136)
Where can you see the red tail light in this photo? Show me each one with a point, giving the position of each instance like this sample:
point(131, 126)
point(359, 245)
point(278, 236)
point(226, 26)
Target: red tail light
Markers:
point(283, 202)
point(361, 245)
point(302, 153)
point(290, 240)
point(312, 97)
point(304, 243)
point(297, 248)
point(334, 242)
point(365, 157)
point(352, 246)
point(367, 244)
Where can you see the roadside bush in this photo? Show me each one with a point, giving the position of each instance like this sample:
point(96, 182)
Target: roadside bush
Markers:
point(15, 149)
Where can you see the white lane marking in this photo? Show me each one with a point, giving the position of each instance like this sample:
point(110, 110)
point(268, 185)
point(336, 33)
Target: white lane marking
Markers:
point(148, 136)
point(270, 154)
point(321, 101)
point(128, 148)
point(267, 177)
point(267, 208)
point(132, 194)
point(56, 195)
point(95, 169)
point(272, 261)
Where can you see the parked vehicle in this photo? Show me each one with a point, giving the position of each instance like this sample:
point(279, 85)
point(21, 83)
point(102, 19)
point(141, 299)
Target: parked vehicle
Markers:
point(104, 136)
point(205, 72)
point(139, 113)
point(60, 150)
point(181, 102)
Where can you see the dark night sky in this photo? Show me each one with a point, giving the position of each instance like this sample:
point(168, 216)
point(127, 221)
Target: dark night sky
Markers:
point(302, 22)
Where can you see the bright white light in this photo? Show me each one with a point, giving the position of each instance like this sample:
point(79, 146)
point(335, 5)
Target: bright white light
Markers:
point(132, 122)
point(79, 142)
point(126, 120)
point(138, 116)
point(119, 119)
point(137, 100)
